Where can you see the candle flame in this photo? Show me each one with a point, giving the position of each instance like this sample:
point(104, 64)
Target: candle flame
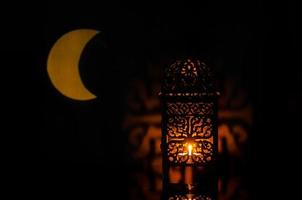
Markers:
point(190, 149)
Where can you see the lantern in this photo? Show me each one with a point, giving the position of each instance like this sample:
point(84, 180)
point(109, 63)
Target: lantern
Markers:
point(189, 128)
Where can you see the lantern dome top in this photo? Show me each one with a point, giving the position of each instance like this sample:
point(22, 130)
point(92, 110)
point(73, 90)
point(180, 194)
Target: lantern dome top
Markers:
point(188, 77)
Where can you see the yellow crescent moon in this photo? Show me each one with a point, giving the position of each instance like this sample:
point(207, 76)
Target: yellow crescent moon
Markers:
point(63, 61)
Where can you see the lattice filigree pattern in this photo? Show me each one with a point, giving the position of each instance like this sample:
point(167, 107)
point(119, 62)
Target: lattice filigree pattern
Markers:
point(189, 108)
point(190, 124)
point(188, 75)
point(201, 152)
point(189, 197)
point(190, 114)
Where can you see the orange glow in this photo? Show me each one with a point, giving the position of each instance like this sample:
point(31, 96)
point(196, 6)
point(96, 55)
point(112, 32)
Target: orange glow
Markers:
point(190, 149)
point(189, 176)
point(175, 175)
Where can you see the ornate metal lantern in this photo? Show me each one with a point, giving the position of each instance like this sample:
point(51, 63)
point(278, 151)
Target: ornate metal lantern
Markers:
point(189, 126)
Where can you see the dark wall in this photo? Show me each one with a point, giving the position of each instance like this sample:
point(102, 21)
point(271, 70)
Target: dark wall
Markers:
point(254, 42)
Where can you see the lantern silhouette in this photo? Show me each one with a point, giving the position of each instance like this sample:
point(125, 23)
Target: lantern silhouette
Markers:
point(189, 126)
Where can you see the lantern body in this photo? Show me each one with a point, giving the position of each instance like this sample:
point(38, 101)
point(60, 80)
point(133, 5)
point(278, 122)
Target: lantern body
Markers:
point(189, 126)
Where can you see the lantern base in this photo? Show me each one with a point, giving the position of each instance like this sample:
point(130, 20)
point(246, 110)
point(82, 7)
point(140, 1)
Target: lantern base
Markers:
point(189, 191)
point(199, 185)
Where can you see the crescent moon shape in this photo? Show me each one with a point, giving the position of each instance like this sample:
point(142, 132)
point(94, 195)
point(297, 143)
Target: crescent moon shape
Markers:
point(63, 64)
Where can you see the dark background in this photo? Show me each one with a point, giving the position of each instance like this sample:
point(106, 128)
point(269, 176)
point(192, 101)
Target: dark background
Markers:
point(47, 150)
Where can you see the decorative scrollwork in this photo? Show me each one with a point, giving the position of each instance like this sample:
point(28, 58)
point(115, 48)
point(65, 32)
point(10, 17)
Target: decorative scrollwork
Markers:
point(178, 126)
point(201, 152)
point(201, 126)
point(189, 197)
point(190, 122)
point(176, 152)
point(189, 118)
point(190, 75)
point(190, 108)
point(189, 126)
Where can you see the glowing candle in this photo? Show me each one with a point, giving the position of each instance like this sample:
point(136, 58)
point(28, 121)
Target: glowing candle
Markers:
point(189, 176)
point(189, 169)
point(190, 149)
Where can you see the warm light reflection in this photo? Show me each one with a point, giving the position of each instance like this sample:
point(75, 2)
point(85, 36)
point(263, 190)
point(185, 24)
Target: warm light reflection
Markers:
point(143, 122)
point(190, 149)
